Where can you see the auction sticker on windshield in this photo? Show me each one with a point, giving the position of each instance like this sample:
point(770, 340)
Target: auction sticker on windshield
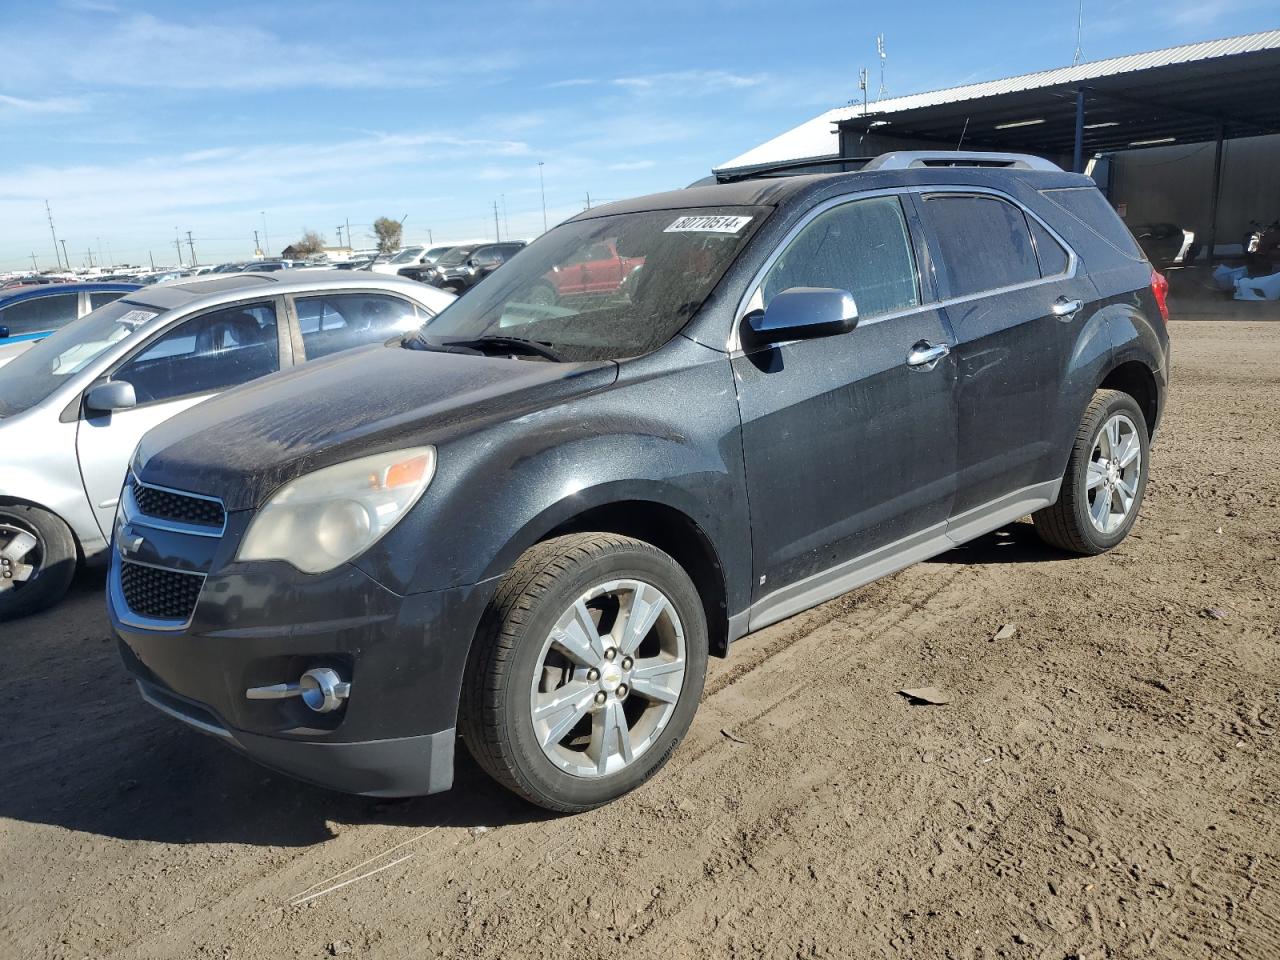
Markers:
point(136, 318)
point(708, 224)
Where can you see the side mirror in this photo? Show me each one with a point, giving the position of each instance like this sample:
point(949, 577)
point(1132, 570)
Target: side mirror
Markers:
point(110, 396)
point(804, 313)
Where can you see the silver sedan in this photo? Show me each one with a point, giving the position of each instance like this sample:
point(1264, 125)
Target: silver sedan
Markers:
point(74, 406)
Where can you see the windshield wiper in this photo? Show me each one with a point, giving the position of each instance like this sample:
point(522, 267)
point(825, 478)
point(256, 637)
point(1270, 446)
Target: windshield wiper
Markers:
point(511, 343)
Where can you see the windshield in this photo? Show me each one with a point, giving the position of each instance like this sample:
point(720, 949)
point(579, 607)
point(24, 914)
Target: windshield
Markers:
point(455, 256)
point(435, 253)
point(34, 375)
point(407, 254)
point(605, 288)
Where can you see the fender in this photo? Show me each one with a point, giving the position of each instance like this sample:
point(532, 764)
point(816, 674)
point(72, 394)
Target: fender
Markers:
point(501, 489)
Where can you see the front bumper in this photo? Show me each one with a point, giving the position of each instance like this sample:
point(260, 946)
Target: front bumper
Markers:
point(266, 623)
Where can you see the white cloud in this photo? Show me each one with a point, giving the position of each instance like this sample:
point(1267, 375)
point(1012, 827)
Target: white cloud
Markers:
point(45, 105)
point(690, 82)
point(144, 51)
point(632, 165)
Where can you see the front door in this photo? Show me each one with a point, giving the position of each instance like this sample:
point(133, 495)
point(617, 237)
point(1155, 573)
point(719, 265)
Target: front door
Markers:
point(849, 446)
point(182, 366)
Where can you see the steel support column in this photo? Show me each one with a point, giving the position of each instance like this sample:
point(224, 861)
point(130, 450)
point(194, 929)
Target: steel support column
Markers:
point(1077, 156)
point(1213, 194)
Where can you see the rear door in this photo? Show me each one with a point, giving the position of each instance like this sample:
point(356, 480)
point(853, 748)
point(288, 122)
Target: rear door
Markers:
point(34, 318)
point(849, 448)
point(330, 322)
point(1015, 302)
point(189, 362)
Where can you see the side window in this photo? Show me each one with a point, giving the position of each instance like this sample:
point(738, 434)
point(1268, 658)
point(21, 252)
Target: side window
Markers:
point(344, 320)
point(208, 353)
point(40, 313)
point(1090, 207)
point(101, 297)
point(488, 257)
point(1053, 259)
point(983, 242)
point(863, 247)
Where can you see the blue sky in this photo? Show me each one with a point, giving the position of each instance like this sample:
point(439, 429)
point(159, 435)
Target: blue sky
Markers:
point(136, 118)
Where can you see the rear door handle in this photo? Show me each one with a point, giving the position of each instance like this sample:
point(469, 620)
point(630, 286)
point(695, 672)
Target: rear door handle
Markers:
point(1064, 308)
point(925, 354)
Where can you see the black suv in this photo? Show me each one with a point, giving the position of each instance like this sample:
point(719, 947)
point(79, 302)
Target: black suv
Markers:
point(531, 522)
point(463, 267)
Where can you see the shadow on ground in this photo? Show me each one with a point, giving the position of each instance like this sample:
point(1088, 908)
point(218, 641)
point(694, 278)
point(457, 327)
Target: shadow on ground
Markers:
point(83, 752)
point(1012, 543)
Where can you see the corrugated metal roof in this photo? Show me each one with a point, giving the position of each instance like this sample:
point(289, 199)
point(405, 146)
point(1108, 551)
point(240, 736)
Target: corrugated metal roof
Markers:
point(818, 138)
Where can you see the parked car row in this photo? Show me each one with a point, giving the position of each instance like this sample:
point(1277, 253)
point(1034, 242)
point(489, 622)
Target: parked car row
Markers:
point(529, 521)
point(29, 313)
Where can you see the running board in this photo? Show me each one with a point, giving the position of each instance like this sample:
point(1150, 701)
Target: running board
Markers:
point(939, 538)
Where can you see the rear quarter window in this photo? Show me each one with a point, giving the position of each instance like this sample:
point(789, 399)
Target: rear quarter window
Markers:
point(1090, 207)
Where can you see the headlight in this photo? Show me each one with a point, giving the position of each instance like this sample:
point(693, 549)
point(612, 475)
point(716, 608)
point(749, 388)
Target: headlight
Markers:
point(325, 518)
point(469, 271)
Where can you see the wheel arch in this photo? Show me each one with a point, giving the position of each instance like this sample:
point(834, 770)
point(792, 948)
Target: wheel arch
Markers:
point(645, 515)
point(1136, 379)
point(10, 501)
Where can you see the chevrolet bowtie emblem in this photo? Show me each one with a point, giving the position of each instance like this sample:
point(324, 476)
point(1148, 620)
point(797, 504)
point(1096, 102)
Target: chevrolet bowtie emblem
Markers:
point(131, 544)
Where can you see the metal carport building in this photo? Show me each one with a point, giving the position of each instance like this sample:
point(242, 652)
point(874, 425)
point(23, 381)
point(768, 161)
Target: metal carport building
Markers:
point(1159, 103)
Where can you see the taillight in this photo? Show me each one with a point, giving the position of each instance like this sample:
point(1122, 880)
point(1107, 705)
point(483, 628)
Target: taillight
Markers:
point(1160, 290)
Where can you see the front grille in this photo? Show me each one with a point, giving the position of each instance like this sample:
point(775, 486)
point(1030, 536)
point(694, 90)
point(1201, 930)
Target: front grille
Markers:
point(159, 594)
point(180, 508)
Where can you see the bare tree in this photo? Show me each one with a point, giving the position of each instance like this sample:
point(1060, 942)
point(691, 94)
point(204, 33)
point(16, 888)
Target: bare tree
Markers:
point(388, 232)
point(310, 244)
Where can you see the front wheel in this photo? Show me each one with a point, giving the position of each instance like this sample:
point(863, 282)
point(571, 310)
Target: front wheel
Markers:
point(37, 560)
point(1105, 479)
point(586, 672)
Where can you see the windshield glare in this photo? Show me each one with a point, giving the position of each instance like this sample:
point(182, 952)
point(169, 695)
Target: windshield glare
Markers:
point(407, 254)
point(34, 375)
point(605, 288)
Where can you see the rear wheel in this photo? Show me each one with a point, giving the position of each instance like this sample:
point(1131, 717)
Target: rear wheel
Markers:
point(37, 560)
point(1105, 480)
point(587, 670)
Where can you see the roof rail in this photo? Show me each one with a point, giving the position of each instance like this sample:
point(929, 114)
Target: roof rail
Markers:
point(905, 159)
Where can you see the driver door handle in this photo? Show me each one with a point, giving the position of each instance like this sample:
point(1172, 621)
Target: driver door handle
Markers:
point(1065, 308)
point(924, 355)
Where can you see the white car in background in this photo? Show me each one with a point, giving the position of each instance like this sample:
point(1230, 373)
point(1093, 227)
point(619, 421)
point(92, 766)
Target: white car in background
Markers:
point(411, 257)
point(74, 406)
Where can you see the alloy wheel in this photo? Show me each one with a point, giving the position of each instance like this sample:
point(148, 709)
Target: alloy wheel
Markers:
point(1113, 473)
point(608, 678)
point(20, 554)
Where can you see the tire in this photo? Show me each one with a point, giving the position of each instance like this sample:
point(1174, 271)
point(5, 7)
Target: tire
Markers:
point(1073, 524)
point(516, 664)
point(37, 574)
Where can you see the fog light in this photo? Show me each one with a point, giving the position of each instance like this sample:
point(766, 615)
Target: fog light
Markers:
point(323, 690)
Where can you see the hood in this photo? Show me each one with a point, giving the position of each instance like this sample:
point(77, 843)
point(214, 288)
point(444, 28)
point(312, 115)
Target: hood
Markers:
point(241, 446)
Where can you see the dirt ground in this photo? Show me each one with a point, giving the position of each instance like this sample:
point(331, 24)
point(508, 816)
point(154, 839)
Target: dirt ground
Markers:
point(1105, 782)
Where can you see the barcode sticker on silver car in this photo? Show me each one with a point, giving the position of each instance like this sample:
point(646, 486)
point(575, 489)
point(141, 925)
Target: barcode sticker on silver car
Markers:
point(708, 224)
point(136, 318)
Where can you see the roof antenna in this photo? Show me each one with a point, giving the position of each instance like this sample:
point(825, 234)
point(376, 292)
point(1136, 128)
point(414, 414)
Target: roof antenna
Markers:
point(880, 50)
point(1075, 61)
point(963, 131)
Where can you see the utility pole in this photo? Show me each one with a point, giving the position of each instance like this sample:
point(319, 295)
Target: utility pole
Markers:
point(339, 229)
point(192, 246)
point(349, 243)
point(153, 261)
point(177, 242)
point(52, 233)
point(89, 253)
point(266, 237)
point(64, 253)
point(257, 247)
point(34, 268)
point(588, 199)
point(429, 239)
point(497, 233)
point(542, 186)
